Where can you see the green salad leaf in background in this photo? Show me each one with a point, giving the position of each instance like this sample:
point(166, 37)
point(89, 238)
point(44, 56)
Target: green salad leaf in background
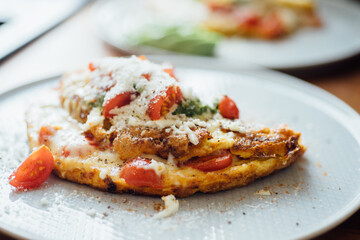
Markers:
point(184, 39)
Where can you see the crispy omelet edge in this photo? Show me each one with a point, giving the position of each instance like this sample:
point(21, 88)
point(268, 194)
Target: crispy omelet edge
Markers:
point(181, 182)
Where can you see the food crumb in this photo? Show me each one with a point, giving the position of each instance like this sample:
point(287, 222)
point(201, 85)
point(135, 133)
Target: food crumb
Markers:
point(263, 192)
point(171, 207)
point(229, 222)
point(318, 165)
point(91, 212)
point(297, 224)
point(157, 206)
point(287, 192)
point(44, 202)
point(244, 213)
point(325, 174)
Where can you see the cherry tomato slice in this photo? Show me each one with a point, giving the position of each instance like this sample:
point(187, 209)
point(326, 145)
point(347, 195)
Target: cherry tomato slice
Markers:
point(117, 101)
point(228, 108)
point(34, 170)
point(211, 163)
point(161, 104)
point(134, 174)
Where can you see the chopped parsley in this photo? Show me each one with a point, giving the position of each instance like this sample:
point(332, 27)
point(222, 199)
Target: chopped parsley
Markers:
point(193, 107)
point(139, 90)
point(98, 101)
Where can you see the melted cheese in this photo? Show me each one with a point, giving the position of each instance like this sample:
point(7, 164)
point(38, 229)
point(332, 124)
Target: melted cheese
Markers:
point(95, 118)
point(158, 167)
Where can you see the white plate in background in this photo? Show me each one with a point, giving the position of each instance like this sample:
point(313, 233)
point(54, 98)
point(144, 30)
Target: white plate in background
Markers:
point(337, 40)
point(315, 194)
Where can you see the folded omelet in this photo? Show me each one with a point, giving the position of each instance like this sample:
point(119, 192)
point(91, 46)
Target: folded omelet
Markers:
point(125, 125)
point(267, 19)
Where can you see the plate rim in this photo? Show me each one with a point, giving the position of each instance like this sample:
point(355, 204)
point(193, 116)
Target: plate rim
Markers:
point(331, 100)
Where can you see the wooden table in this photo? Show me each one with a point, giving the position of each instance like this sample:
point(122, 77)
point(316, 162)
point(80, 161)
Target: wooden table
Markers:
point(74, 43)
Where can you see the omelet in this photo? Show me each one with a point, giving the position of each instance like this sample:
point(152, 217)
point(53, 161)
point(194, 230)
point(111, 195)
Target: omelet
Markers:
point(125, 125)
point(266, 19)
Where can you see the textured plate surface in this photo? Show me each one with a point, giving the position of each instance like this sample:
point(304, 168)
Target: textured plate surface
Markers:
point(338, 39)
point(316, 193)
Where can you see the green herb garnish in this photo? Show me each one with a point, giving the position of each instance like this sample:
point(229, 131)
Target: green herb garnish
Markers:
point(193, 107)
point(98, 101)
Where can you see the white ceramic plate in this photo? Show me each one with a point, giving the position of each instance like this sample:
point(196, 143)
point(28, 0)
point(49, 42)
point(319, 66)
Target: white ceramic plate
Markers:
point(337, 40)
point(315, 194)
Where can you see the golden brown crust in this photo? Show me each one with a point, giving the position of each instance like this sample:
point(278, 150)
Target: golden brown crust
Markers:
point(265, 143)
point(181, 182)
point(231, 177)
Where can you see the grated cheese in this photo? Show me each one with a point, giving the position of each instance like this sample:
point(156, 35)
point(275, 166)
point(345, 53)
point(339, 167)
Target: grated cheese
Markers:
point(171, 207)
point(119, 75)
point(158, 167)
point(263, 192)
point(91, 212)
point(95, 118)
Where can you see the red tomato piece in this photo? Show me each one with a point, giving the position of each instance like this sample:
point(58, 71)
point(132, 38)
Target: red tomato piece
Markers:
point(46, 132)
point(117, 101)
point(65, 152)
point(91, 139)
point(228, 108)
point(271, 27)
point(91, 67)
point(215, 7)
point(142, 57)
point(247, 18)
point(34, 170)
point(147, 76)
point(170, 71)
point(134, 174)
point(161, 104)
point(214, 162)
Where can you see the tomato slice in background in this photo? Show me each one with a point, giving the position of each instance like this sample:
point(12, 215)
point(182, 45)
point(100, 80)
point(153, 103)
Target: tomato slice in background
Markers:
point(34, 170)
point(161, 104)
point(118, 101)
point(271, 27)
point(247, 18)
point(217, 161)
point(134, 174)
point(228, 108)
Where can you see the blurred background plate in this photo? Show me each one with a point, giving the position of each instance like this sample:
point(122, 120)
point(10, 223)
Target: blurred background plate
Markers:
point(337, 40)
point(316, 193)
